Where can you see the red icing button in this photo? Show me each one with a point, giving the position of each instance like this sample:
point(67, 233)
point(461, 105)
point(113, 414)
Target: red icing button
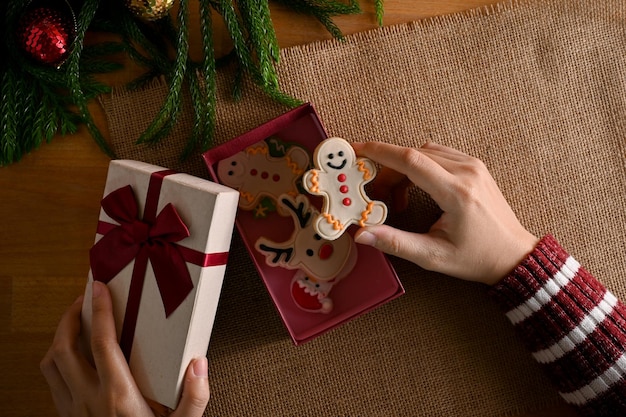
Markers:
point(254, 172)
point(343, 189)
point(276, 177)
point(264, 175)
point(346, 201)
point(341, 177)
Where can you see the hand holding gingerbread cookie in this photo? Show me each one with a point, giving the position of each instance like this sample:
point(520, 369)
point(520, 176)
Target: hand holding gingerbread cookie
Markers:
point(340, 178)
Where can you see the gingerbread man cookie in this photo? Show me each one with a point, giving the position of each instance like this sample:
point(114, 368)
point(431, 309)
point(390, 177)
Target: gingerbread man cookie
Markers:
point(340, 177)
point(257, 174)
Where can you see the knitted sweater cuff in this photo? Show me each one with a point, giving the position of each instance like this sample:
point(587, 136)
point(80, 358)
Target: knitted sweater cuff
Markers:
point(526, 288)
point(571, 323)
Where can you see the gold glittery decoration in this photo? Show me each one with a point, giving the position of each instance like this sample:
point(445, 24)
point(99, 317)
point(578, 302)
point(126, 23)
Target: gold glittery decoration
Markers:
point(150, 9)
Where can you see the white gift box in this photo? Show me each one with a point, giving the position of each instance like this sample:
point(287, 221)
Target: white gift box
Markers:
point(162, 243)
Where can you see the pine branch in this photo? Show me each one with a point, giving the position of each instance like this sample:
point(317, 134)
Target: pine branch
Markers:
point(163, 122)
point(25, 100)
point(324, 11)
point(45, 124)
point(53, 114)
point(132, 33)
point(238, 83)
point(36, 100)
point(10, 148)
point(208, 70)
point(380, 11)
point(85, 17)
point(272, 40)
point(233, 24)
point(262, 38)
point(40, 100)
point(204, 97)
point(197, 130)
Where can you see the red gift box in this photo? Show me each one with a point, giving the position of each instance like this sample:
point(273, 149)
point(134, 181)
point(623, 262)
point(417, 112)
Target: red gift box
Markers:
point(371, 283)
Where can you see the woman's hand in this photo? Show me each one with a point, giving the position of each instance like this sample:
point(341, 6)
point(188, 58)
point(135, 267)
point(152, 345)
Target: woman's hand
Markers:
point(477, 238)
point(79, 389)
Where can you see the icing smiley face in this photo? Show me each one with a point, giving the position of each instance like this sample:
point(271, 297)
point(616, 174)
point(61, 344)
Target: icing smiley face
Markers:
point(340, 178)
point(335, 160)
point(306, 250)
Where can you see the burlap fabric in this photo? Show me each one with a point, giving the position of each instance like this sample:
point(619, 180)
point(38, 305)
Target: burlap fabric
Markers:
point(536, 89)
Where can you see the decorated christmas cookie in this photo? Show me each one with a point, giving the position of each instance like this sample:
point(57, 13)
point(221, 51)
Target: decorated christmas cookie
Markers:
point(310, 294)
point(340, 177)
point(306, 249)
point(257, 174)
point(321, 264)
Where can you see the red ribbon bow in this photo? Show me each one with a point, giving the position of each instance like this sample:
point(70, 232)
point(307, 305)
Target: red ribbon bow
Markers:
point(142, 240)
point(153, 239)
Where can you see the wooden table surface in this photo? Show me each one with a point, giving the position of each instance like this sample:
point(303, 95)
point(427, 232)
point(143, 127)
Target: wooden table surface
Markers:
point(49, 207)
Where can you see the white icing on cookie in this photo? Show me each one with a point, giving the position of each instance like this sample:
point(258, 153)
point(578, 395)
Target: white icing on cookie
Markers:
point(340, 178)
point(306, 249)
point(257, 174)
point(310, 294)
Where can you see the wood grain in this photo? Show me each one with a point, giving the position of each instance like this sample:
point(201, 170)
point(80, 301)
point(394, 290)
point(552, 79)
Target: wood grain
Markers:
point(50, 205)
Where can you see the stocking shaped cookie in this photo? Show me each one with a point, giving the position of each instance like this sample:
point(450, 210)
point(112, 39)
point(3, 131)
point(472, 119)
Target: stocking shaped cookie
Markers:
point(257, 174)
point(340, 177)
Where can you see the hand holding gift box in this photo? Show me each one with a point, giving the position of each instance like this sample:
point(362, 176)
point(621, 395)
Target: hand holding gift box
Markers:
point(162, 245)
point(107, 387)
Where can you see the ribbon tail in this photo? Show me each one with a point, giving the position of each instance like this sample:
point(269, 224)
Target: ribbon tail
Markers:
point(172, 276)
point(132, 304)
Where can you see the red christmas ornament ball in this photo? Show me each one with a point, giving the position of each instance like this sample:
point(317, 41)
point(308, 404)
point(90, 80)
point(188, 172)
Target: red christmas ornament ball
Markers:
point(46, 34)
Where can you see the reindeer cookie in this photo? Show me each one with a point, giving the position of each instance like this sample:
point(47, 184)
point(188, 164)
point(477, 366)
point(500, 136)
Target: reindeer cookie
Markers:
point(340, 177)
point(321, 264)
point(257, 174)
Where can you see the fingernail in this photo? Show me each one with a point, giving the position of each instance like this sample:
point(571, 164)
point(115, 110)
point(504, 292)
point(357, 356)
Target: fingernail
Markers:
point(201, 367)
point(96, 289)
point(365, 238)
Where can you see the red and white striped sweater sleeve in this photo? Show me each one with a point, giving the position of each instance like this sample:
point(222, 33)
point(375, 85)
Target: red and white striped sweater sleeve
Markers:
point(574, 327)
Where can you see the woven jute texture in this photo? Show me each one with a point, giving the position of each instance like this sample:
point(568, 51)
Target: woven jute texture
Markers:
point(537, 90)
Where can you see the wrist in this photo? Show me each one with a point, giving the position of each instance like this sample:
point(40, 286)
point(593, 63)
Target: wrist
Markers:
point(545, 254)
point(522, 248)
